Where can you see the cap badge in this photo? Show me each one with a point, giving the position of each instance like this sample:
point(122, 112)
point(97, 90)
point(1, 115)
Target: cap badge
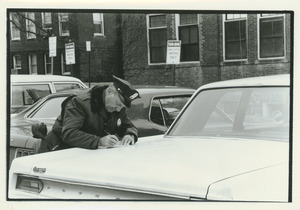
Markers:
point(119, 122)
point(133, 96)
point(120, 90)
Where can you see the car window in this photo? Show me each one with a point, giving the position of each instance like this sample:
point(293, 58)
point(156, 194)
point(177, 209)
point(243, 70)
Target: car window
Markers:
point(164, 110)
point(50, 108)
point(66, 86)
point(260, 113)
point(156, 113)
point(28, 94)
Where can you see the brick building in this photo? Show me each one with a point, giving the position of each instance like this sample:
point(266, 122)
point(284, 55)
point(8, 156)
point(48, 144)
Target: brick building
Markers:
point(29, 52)
point(213, 47)
point(134, 45)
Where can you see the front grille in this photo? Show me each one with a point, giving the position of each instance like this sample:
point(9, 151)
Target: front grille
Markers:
point(23, 152)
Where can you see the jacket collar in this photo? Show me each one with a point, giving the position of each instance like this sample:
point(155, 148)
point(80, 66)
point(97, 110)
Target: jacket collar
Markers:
point(97, 101)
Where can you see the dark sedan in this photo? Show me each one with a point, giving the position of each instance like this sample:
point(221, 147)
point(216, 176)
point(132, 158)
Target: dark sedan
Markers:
point(152, 114)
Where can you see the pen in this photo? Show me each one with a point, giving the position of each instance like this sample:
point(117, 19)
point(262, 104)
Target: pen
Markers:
point(112, 134)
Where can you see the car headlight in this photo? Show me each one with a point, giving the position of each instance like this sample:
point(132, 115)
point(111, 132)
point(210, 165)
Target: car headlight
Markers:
point(30, 184)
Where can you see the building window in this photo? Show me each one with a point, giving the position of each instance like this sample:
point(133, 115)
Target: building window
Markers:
point(30, 25)
point(15, 32)
point(32, 64)
point(271, 35)
point(98, 24)
point(65, 69)
point(17, 64)
point(235, 36)
point(188, 34)
point(46, 22)
point(63, 19)
point(157, 34)
point(47, 61)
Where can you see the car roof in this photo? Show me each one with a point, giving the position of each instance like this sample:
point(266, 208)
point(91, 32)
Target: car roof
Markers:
point(274, 80)
point(160, 90)
point(153, 89)
point(142, 90)
point(20, 78)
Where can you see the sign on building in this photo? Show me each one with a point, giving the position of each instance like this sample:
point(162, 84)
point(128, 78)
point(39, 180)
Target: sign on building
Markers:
point(52, 46)
point(70, 53)
point(173, 51)
point(88, 46)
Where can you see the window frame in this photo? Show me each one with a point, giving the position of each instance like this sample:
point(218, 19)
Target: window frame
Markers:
point(178, 25)
point(60, 21)
point(46, 26)
point(224, 41)
point(25, 87)
point(101, 24)
point(259, 17)
point(70, 83)
point(64, 65)
point(148, 37)
point(44, 23)
point(158, 99)
point(28, 24)
point(30, 65)
point(15, 62)
point(12, 27)
point(46, 55)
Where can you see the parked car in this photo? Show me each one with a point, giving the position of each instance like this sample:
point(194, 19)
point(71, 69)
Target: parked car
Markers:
point(152, 114)
point(27, 89)
point(230, 142)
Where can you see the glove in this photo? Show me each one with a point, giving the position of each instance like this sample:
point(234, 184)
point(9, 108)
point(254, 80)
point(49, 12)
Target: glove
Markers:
point(39, 130)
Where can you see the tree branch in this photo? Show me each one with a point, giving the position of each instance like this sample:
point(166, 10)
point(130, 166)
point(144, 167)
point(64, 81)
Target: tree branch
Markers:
point(21, 18)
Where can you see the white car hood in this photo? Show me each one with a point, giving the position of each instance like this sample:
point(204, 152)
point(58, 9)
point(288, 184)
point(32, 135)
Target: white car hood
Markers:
point(179, 166)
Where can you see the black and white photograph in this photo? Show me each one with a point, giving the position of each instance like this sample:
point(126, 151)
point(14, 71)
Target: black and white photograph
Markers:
point(116, 107)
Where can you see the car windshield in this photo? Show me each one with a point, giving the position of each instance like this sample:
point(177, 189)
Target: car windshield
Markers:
point(260, 113)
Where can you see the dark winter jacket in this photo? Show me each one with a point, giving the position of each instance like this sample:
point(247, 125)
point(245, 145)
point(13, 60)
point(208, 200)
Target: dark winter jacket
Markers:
point(84, 121)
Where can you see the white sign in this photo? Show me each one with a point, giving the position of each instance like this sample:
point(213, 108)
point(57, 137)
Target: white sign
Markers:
point(52, 46)
point(88, 45)
point(173, 51)
point(70, 53)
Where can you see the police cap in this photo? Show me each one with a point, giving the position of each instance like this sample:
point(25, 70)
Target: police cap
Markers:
point(126, 90)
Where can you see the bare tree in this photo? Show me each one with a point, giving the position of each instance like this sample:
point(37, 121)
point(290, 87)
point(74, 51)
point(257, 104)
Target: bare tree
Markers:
point(19, 20)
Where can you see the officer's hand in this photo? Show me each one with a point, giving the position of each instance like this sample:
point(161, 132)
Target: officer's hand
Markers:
point(127, 139)
point(108, 141)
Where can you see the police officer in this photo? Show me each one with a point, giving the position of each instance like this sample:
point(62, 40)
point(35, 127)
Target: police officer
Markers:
point(94, 118)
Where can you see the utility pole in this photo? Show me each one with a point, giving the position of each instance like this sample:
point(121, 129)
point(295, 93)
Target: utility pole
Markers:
point(52, 50)
point(88, 48)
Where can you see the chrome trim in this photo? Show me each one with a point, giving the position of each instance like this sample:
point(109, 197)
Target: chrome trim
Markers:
point(21, 152)
point(120, 188)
